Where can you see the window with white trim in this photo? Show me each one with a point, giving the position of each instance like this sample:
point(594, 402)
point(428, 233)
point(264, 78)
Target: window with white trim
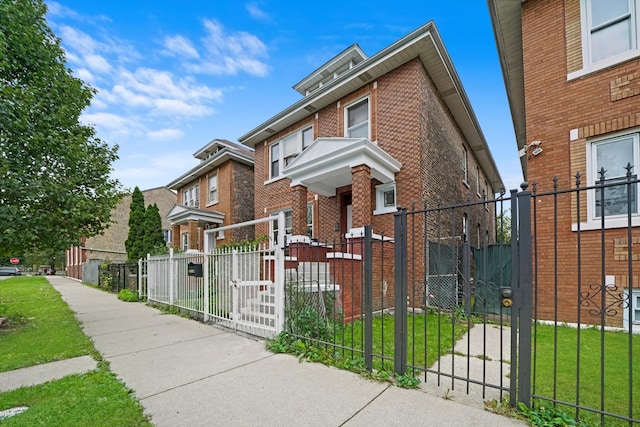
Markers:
point(185, 241)
point(213, 188)
point(478, 181)
point(613, 155)
point(283, 151)
point(609, 31)
point(385, 198)
point(191, 196)
point(166, 235)
point(357, 119)
point(634, 303)
point(310, 220)
point(288, 224)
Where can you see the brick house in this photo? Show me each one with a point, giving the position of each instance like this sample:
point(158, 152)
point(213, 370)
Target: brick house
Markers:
point(572, 72)
point(217, 191)
point(110, 245)
point(371, 134)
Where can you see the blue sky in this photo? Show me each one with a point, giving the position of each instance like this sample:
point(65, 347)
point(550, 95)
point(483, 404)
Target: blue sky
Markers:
point(173, 75)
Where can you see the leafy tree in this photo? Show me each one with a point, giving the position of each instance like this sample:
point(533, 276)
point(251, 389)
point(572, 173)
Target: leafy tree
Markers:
point(134, 244)
point(154, 238)
point(53, 169)
point(503, 227)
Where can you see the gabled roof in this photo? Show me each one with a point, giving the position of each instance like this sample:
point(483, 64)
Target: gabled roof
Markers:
point(212, 156)
point(326, 164)
point(180, 214)
point(424, 43)
point(506, 17)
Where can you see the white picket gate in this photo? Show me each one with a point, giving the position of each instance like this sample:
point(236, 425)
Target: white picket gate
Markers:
point(240, 287)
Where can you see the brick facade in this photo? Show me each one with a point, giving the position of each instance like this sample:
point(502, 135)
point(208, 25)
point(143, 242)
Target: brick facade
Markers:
point(593, 105)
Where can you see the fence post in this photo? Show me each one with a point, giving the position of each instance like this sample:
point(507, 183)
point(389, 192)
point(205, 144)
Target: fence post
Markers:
point(234, 286)
point(206, 285)
point(278, 274)
point(368, 298)
point(524, 295)
point(513, 378)
point(400, 293)
point(171, 276)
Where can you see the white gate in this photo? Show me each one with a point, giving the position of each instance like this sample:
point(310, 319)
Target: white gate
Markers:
point(241, 286)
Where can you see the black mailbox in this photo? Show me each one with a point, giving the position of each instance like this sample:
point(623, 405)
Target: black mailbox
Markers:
point(194, 269)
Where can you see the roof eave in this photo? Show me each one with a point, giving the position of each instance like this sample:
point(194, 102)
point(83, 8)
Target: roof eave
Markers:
point(506, 17)
point(202, 167)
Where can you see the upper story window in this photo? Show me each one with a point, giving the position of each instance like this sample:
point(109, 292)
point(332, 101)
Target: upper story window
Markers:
point(478, 181)
point(286, 149)
point(357, 119)
point(213, 188)
point(613, 155)
point(465, 169)
point(609, 32)
point(191, 196)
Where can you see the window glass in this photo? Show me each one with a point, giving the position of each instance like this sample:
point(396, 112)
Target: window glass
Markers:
point(213, 188)
point(310, 220)
point(358, 120)
point(613, 157)
point(275, 160)
point(610, 28)
point(464, 164)
point(389, 198)
point(307, 137)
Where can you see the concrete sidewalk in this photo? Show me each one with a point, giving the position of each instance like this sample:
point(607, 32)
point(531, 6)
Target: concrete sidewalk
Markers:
point(188, 373)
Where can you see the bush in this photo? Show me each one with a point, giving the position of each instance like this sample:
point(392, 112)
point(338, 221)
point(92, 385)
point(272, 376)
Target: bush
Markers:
point(128, 295)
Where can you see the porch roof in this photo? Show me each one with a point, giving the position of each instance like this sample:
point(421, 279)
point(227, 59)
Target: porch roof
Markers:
point(326, 164)
point(180, 215)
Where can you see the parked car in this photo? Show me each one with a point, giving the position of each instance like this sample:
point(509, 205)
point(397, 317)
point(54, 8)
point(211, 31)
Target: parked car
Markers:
point(10, 271)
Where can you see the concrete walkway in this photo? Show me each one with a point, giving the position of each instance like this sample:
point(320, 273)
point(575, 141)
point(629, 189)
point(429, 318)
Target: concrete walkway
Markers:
point(188, 373)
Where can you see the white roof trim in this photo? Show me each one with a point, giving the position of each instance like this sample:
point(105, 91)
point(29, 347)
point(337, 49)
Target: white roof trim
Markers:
point(326, 164)
point(180, 214)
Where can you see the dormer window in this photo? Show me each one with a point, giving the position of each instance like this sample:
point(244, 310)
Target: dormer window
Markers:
point(285, 150)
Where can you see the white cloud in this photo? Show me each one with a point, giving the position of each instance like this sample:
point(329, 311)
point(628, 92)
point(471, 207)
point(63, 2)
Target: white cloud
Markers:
point(114, 127)
point(84, 75)
point(257, 13)
point(97, 63)
point(231, 53)
point(180, 46)
point(165, 134)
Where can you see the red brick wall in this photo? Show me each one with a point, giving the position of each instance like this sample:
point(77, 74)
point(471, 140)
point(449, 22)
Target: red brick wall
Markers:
point(595, 105)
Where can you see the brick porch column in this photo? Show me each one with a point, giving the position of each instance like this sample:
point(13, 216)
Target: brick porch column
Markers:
point(193, 234)
point(361, 196)
point(175, 236)
point(299, 211)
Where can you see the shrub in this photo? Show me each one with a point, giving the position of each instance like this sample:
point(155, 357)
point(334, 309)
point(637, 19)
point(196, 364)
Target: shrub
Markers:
point(128, 295)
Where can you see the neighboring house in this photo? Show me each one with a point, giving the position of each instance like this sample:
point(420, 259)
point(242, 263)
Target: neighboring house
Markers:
point(572, 72)
point(371, 134)
point(216, 192)
point(110, 245)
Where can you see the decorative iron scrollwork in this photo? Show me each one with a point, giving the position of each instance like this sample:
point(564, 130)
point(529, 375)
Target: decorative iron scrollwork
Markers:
point(593, 298)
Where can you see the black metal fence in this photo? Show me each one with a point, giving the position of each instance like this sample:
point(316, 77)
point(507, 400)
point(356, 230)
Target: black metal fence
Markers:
point(118, 276)
point(543, 315)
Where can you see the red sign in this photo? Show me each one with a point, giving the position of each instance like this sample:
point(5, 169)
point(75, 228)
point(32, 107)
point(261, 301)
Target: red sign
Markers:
point(14, 261)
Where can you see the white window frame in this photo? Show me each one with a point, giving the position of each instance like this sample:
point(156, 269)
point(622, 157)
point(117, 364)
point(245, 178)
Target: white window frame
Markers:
point(191, 196)
point(213, 192)
point(478, 182)
point(289, 147)
point(380, 198)
point(185, 241)
point(347, 108)
point(288, 224)
point(589, 66)
point(611, 221)
point(634, 300)
point(310, 220)
point(166, 233)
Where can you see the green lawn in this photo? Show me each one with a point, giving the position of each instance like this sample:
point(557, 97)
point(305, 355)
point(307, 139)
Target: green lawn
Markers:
point(41, 328)
point(615, 368)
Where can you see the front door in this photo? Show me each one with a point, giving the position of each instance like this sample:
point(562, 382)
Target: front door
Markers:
point(346, 214)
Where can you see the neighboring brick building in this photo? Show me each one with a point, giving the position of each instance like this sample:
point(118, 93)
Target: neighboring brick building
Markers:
point(371, 134)
point(216, 192)
point(110, 245)
point(572, 73)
